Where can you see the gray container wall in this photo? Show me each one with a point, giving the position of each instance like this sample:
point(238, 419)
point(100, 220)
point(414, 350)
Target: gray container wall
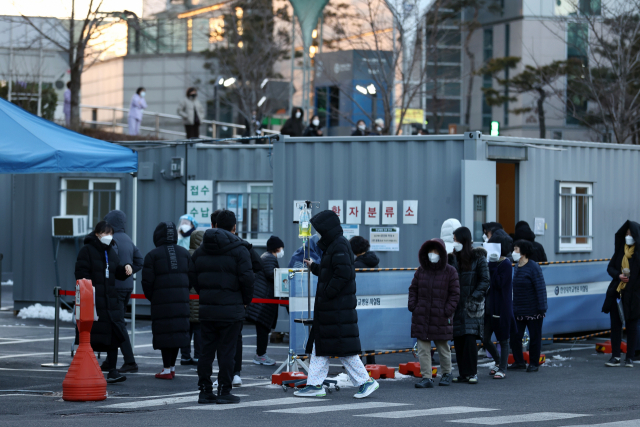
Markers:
point(6, 237)
point(427, 169)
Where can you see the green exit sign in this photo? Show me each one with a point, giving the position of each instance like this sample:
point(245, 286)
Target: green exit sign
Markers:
point(495, 128)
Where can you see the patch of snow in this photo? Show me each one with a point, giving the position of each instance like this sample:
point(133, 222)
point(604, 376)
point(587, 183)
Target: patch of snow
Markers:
point(558, 357)
point(343, 381)
point(8, 283)
point(38, 311)
point(398, 377)
point(272, 386)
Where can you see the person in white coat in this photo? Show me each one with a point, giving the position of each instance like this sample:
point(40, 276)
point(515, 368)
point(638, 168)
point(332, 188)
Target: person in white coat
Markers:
point(446, 233)
point(192, 113)
point(138, 104)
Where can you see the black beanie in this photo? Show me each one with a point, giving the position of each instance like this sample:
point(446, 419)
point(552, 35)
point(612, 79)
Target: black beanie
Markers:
point(274, 243)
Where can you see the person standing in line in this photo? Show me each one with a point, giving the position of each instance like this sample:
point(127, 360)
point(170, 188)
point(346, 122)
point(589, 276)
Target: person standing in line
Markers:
point(128, 253)
point(529, 305)
point(499, 304)
point(433, 298)
point(361, 129)
point(364, 257)
point(468, 322)
point(446, 234)
point(192, 113)
point(314, 128)
point(66, 108)
point(225, 285)
point(167, 275)
point(488, 229)
point(294, 126)
point(265, 316)
point(378, 127)
point(524, 232)
point(98, 261)
point(186, 226)
point(335, 320)
point(137, 106)
point(624, 269)
point(194, 308)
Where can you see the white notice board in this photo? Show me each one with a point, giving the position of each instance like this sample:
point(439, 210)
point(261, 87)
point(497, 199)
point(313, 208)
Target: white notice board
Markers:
point(385, 239)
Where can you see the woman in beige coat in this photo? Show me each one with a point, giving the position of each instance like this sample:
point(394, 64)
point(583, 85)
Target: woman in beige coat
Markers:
point(192, 113)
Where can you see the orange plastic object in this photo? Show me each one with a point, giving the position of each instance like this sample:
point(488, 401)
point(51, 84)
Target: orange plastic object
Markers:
point(380, 371)
point(286, 376)
point(413, 368)
point(605, 347)
point(84, 381)
point(525, 355)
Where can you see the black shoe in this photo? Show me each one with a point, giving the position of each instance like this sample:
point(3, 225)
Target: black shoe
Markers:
point(129, 367)
point(461, 379)
point(207, 397)
point(517, 366)
point(105, 366)
point(226, 398)
point(614, 362)
point(188, 361)
point(424, 383)
point(628, 363)
point(445, 380)
point(532, 368)
point(115, 377)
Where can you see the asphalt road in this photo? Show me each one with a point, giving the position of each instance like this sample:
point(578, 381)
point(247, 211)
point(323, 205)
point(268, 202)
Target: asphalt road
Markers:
point(573, 388)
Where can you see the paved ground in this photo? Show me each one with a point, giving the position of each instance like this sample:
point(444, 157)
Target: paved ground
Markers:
point(574, 388)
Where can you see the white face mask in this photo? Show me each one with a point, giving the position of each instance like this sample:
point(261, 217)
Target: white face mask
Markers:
point(185, 228)
point(298, 114)
point(516, 256)
point(143, 93)
point(315, 122)
point(457, 246)
point(378, 128)
point(485, 238)
point(361, 127)
point(629, 240)
point(106, 239)
point(280, 254)
point(434, 258)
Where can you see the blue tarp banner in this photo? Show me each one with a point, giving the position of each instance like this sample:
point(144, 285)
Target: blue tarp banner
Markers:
point(575, 293)
point(31, 144)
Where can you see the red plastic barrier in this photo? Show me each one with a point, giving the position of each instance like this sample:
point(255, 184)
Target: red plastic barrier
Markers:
point(286, 376)
point(380, 371)
point(254, 301)
point(605, 347)
point(413, 368)
point(525, 355)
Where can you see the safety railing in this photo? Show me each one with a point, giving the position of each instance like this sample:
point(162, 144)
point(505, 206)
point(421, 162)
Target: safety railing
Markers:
point(115, 119)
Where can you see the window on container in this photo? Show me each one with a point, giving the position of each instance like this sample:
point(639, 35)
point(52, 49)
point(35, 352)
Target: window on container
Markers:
point(575, 216)
point(93, 198)
point(253, 205)
point(479, 216)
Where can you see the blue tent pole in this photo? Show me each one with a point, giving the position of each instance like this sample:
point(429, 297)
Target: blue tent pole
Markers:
point(134, 234)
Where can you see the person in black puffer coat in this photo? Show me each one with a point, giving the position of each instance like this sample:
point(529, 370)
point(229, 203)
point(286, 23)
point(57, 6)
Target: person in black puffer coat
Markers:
point(265, 316)
point(167, 274)
point(335, 323)
point(194, 308)
point(468, 322)
point(364, 257)
point(97, 261)
point(524, 232)
point(294, 126)
point(225, 285)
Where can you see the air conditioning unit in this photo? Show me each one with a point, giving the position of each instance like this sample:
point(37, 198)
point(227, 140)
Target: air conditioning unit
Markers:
point(70, 225)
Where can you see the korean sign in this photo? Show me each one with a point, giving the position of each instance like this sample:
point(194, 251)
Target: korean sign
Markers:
point(336, 206)
point(199, 191)
point(385, 239)
point(410, 212)
point(371, 213)
point(353, 212)
point(389, 212)
point(201, 212)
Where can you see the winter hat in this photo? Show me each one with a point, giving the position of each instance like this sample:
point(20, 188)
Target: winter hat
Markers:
point(274, 243)
point(446, 233)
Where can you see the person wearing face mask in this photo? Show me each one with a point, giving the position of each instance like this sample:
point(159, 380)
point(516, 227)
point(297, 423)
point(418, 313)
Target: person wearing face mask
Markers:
point(524, 232)
point(138, 104)
point(194, 308)
point(488, 229)
point(378, 127)
point(624, 289)
point(187, 226)
point(255, 122)
point(294, 126)
point(361, 129)
point(433, 298)
point(499, 304)
point(192, 113)
point(98, 261)
point(314, 128)
point(529, 305)
point(265, 316)
point(446, 234)
point(468, 321)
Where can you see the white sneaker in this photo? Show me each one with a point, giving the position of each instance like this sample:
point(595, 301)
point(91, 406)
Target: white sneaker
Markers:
point(215, 384)
point(237, 381)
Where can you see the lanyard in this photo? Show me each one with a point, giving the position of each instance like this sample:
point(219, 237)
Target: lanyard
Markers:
point(106, 256)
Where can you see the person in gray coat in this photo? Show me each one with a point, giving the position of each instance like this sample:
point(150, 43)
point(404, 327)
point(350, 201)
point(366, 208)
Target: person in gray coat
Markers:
point(192, 113)
point(128, 254)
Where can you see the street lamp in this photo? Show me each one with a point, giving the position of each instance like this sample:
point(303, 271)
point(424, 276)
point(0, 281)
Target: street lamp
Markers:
point(361, 89)
point(229, 81)
point(371, 89)
point(262, 100)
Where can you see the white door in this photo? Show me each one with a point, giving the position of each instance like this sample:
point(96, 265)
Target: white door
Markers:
point(478, 195)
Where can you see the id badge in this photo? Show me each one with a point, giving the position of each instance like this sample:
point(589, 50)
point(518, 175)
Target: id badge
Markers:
point(107, 273)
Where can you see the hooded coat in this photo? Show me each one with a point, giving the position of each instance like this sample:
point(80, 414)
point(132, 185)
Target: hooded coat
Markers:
point(194, 304)
point(499, 305)
point(167, 274)
point(312, 130)
point(492, 226)
point(630, 295)
point(368, 260)
point(524, 232)
point(264, 314)
point(474, 285)
point(298, 255)
point(127, 252)
point(446, 233)
point(92, 264)
point(225, 276)
point(433, 295)
point(293, 126)
point(335, 320)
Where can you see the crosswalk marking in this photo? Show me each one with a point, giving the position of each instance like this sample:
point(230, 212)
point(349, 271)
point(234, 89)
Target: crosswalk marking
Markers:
point(332, 408)
point(254, 403)
point(509, 419)
point(627, 423)
point(422, 412)
point(156, 402)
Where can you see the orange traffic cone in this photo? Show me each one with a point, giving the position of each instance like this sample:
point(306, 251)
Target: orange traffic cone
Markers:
point(84, 380)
